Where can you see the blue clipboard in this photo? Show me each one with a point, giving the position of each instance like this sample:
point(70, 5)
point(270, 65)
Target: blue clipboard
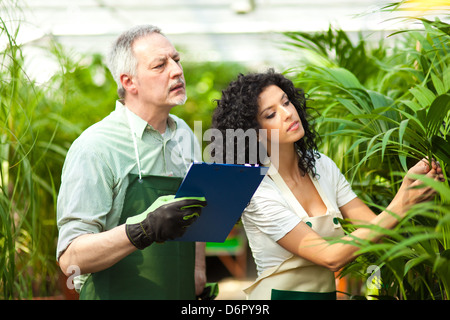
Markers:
point(227, 188)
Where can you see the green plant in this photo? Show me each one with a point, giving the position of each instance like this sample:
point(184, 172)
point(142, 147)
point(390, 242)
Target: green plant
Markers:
point(375, 124)
point(204, 84)
point(25, 240)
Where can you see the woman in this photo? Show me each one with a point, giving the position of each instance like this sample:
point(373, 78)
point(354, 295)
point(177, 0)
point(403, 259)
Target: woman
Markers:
point(297, 206)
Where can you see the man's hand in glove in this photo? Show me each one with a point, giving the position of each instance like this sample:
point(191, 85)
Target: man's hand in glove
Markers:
point(166, 219)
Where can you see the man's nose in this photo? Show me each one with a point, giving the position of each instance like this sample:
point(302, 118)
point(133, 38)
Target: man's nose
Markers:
point(176, 70)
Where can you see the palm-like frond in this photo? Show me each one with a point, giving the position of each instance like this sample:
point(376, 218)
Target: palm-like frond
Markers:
point(380, 111)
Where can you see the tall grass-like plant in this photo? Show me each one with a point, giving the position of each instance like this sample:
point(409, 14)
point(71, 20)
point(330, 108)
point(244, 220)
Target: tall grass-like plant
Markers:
point(383, 108)
point(24, 189)
point(38, 122)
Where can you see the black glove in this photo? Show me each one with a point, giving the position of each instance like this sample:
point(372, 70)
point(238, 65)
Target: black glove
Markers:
point(210, 292)
point(166, 219)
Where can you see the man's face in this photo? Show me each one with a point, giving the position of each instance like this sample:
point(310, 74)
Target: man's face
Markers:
point(159, 80)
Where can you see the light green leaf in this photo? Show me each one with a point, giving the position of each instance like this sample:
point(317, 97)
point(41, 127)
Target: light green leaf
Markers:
point(350, 106)
point(344, 77)
point(401, 129)
point(438, 84)
point(413, 105)
point(446, 78)
point(379, 100)
point(423, 95)
point(386, 141)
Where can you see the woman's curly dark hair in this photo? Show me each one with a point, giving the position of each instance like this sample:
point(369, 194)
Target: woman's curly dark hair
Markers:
point(238, 109)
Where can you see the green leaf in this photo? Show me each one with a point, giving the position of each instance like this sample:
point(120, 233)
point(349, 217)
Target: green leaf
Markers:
point(350, 106)
point(446, 78)
point(423, 95)
point(344, 78)
point(402, 129)
point(403, 247)
point(379, 100)
point(414, 262)
point(386, 141)
point(436, 185)
point(440, 262)
point(413, 105)
point(438, 84)
point(437, 113)
point(441, 148)
point(403, 161)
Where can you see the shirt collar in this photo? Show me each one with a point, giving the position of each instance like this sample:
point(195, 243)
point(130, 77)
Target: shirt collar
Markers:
point(139, 125)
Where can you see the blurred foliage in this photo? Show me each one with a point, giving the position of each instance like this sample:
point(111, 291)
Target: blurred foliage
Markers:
point(204, 84)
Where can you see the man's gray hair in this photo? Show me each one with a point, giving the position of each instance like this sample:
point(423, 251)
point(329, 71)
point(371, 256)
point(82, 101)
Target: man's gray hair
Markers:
point(121, 58)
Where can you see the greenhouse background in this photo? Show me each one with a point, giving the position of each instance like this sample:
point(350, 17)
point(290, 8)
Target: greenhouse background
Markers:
point(244, 31)
point(377, 73)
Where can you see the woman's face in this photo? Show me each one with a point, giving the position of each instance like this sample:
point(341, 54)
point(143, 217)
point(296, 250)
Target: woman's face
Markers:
point(276, 112)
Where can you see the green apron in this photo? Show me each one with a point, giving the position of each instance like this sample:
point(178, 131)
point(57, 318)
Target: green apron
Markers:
point(160, 271)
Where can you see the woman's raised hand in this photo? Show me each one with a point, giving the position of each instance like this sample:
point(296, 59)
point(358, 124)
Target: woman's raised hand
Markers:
point(414, 190)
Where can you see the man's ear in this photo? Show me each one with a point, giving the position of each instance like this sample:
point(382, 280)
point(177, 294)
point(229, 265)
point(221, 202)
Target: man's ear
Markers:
point(128, 83)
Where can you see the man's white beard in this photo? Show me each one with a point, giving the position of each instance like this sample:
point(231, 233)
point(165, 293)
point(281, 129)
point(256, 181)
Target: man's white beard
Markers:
point(180, 101)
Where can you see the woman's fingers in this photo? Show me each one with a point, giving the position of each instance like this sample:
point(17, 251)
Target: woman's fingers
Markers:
point(414, 190)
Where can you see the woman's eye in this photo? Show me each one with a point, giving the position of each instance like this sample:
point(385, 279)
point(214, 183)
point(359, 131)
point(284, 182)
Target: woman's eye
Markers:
point(270, 116)
point(286, 103)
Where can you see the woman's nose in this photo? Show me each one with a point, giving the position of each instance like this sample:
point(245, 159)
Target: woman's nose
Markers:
point(286, 112)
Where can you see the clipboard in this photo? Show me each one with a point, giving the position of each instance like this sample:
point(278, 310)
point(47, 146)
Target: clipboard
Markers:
point(227, 188)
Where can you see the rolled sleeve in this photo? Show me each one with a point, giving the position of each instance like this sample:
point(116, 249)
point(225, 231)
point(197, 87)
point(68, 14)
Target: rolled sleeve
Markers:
point(85, 196)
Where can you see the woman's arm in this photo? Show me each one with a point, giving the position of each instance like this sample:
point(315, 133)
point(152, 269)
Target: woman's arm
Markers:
point(305, 242)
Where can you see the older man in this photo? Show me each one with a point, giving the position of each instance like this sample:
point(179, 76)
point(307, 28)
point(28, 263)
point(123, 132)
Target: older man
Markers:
point(116, 207)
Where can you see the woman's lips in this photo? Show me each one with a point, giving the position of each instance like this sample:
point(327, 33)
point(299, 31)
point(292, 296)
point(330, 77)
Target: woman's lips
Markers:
point(294, 126)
